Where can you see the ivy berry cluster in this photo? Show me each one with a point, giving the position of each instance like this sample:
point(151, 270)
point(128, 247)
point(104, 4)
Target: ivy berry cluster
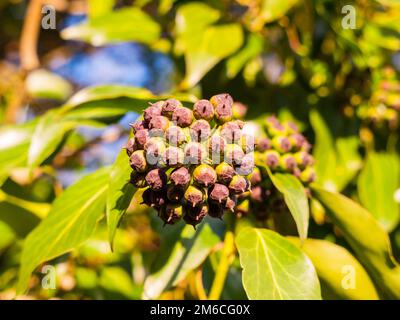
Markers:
point(383, 107)
point(192, 162)
point(279, 147)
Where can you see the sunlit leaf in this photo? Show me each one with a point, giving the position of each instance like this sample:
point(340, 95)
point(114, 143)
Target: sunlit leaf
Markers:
point(42, 84)
point(98, 8)
point(295, 198)
point(377, 184)
point(72, 220)
point(126, 24)
point(340, 274)
point(119, 195)
point(48, 135)
point(188, 252)
point(337, 162)
point(252, 48)
point(274, 9)
point(367, 238)
point(118, 283)
point(274, 268)
point(14, 146)
point(111, 92)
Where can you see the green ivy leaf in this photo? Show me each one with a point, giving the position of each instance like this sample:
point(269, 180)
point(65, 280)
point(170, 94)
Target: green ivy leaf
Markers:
point(42, 84)
point(126, 24)
point(367, 238)
point(119, 195)
point(253, 47)
point(272, 10)
point(217, 43)
point(337, 162)
point(71, 221)
point(98, 8)
point(337, 269)
point(14, 145)
point(118, 283)
point(377, 184)
point(112, 92)
point(295, 198)
point(274, 268)
point(189, 251)
point(48, 135)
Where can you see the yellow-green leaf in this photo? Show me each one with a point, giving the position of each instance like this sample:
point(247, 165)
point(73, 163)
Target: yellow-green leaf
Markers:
point(126, 24)
point(274, 268)
point(295, 198)
point(377, 184)
point(340, 274)
point(72, 220)
point(367, 238)
point(119, 195)
point(188, 252)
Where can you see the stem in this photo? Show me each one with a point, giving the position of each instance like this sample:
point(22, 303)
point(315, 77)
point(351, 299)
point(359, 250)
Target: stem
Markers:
point(223, 267)
point(30, 36)
point(201, 293)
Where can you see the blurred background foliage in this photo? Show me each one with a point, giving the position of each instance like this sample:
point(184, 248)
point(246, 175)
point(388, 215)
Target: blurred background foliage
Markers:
point(67, 96)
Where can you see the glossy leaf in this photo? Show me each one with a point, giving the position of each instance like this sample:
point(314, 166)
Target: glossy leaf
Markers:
point(14, 145)
point(119, 194)
point(295, 198)
point(118, 283)
point(48, 135)
point(274, 9)
point(72, 220)
point(98, 8)
point(274, 268)
point(336, 162)
point(252, 48)
point(126, 24)
point(7, 236)
point(367, 238)
point(377, 184)
point(111, 92)
point(42, 84)
point(340, 274)
point(217, 43)
point(188, 252)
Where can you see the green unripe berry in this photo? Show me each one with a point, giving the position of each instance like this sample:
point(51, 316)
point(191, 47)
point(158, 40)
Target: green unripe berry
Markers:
point(308, 175)
point(225, 172)
point(281, 144)
point(287, 162)
point(194, 196)
point(204, 175)
point(239, 184)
